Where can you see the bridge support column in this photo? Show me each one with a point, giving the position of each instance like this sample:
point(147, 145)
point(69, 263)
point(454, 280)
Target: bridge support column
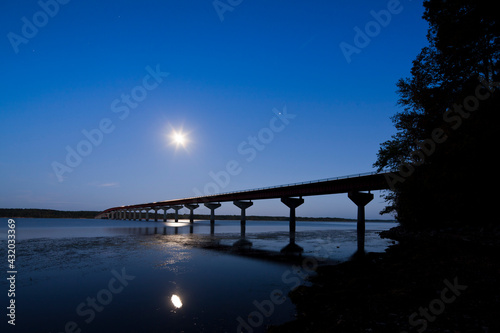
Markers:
point(165, 209)
point(361, 200)
point(156, 213)
point(176, 208)
point(129, 215)
point(243, 242)
point(212, 207)
point(191, 208)
point(147, 213)
point(292, 203)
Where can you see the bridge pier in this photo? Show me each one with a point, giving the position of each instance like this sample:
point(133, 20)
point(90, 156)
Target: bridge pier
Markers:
point(176, 208)
point(292, 203)
point(212, 206)
point(147, 213)
point(165, 209)
point(156, 213)
point(243, 242)
point(191, 208)
point(361, 200)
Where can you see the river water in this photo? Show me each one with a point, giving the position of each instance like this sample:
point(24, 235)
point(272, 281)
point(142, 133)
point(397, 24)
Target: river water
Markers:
point(76, 275)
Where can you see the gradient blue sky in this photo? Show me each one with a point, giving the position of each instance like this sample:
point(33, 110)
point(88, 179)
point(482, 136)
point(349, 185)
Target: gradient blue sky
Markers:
point(227, 80)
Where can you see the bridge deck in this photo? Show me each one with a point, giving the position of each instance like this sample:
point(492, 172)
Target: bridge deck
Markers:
point(360, 182)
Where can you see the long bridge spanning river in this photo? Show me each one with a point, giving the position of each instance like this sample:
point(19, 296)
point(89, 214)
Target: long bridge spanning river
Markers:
point(358, 188)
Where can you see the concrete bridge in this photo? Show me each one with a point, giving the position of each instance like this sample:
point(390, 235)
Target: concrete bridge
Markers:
point(356, 186)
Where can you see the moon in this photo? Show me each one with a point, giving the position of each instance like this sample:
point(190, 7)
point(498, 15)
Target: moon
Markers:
point(179, 138)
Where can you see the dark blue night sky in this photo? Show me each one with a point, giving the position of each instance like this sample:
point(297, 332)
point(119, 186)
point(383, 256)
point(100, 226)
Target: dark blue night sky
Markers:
point(263, 92)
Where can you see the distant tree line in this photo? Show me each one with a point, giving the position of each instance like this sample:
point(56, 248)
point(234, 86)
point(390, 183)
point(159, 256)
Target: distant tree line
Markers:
point(46, 213)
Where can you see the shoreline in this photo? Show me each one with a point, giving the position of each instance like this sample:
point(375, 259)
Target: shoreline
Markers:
point(48, 213)
point(433, 281)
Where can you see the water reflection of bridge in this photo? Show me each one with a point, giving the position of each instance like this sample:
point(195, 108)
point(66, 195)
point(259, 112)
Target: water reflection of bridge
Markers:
point(291, 195)
point(181, 235)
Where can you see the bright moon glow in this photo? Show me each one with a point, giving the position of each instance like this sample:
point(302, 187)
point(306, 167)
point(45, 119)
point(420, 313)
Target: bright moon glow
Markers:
point(178, 138)
point(176, 301)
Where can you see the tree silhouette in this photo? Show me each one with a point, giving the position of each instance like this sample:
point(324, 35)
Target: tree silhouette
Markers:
point(442, 152)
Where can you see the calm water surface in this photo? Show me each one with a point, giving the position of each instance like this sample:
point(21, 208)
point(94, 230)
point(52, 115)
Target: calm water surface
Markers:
point(119, 276)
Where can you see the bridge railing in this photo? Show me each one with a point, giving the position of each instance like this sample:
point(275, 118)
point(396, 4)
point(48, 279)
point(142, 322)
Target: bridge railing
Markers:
point(292, 184)
point(206, 197)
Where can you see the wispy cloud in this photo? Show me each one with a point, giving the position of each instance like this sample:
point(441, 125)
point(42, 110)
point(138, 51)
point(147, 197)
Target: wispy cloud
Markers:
point(97, 184)
point(109, 185)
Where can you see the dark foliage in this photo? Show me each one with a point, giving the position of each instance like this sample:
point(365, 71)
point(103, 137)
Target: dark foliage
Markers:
point(46, 213)
point(444, 147)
